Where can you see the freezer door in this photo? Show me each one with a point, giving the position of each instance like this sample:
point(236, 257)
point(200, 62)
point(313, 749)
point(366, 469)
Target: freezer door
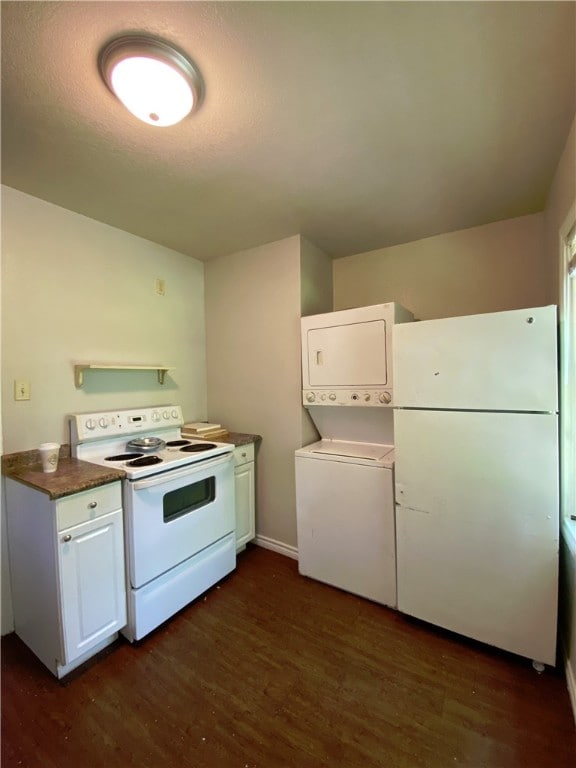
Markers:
point(501, 361)
point(477, 525)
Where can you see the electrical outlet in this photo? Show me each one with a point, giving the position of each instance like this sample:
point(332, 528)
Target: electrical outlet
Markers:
point(21, 390)
point(160, 286)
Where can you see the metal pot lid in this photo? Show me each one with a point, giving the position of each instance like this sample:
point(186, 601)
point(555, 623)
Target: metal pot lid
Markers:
point(147, 443)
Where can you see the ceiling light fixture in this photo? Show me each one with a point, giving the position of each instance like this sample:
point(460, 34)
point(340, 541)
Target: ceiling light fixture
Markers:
point(153, 80)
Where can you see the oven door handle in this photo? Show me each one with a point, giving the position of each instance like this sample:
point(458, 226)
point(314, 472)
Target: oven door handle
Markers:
point(190, 469)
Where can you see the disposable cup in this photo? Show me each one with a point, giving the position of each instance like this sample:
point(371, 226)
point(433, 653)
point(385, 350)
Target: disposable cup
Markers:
point(49, 456)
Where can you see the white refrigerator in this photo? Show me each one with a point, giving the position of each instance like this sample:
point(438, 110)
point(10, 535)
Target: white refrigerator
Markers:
point(476, 477)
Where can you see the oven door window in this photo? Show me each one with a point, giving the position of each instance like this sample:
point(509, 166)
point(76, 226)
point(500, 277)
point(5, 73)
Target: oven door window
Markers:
point(189, 498)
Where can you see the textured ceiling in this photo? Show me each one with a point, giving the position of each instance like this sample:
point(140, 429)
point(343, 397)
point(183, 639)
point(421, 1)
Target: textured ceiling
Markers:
point(358, 124)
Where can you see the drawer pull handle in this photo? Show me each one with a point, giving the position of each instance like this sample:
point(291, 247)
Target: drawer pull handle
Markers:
point(93, 505)
point(244, 455)
point(67, 538)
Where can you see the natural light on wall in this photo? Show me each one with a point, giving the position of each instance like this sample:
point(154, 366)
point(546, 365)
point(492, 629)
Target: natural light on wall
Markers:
point(154, 81)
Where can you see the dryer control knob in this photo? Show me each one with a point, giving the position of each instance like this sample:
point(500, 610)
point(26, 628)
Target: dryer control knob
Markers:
point(103, 422)
point(385, 397)
point(155, 416)
point(174, 414)
point(310, 397)
point(366, 396)
point(166, 415)
point(332, 396)
point(90, 424)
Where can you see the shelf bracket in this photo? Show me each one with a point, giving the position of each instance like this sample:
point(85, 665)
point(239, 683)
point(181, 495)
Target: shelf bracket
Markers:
point(79, 376)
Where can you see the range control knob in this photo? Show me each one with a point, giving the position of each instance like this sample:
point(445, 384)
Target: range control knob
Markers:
point(310, 397)
point(103, 422)
point(332, 396)
point(155, 416)
point(385, 397)
point(90, 424)
point(366, 397)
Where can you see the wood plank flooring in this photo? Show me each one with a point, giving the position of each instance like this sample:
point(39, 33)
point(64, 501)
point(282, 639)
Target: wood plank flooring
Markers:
point(273, 670)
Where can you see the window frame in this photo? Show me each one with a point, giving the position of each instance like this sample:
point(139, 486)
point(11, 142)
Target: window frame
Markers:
point(567, 320)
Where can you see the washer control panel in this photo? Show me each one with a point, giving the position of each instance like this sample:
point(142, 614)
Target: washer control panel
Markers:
point(367, 397)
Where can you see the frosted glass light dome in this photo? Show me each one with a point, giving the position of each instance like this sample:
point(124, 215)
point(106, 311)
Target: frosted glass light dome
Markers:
point(154, 81)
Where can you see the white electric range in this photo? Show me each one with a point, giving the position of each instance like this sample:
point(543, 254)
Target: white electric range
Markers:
point(178, 499)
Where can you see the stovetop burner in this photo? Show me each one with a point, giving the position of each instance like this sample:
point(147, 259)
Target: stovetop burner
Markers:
point(197, 447)
point(176, 443)
point(123, 457)
point(145, 461)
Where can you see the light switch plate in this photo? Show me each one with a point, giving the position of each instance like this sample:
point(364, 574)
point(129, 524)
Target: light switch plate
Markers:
point(21, 390)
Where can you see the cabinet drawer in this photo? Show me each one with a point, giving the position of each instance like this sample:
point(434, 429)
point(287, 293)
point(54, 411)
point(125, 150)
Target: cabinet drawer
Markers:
point(243, 454)
point(88, 505)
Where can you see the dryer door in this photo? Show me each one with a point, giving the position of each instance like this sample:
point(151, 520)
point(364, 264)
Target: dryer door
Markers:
point(350, 355)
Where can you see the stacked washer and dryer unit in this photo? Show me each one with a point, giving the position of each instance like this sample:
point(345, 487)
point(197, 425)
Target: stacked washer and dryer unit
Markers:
point(345, 481)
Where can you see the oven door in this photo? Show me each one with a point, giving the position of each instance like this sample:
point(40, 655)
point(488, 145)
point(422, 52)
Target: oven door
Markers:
point(172, 516)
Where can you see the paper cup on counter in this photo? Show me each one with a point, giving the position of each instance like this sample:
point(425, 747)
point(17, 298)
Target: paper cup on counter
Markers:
point(49, 455)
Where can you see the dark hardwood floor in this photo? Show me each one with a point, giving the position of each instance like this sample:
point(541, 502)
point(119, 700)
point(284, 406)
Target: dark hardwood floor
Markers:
point(272, 670)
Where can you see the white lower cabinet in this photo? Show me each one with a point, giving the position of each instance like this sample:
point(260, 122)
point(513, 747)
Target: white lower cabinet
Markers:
point(244, 482)
point(67, 571)
point(91, 582)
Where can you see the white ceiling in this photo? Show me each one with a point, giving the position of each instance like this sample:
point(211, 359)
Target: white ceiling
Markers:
point(358, 124)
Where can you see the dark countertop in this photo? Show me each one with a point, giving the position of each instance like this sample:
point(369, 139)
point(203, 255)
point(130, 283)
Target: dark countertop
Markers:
point(72, 475)
point(236, 438)
point(241, 438)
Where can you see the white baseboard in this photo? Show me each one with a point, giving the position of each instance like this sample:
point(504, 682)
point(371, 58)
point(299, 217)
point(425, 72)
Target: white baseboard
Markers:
point(571, 682)
point(277, 546)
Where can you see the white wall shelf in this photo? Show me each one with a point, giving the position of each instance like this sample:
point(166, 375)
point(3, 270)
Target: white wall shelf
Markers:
point(79, 369)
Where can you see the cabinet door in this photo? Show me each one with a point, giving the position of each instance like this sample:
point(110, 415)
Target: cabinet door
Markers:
point(244, 489)
point(92, 582)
